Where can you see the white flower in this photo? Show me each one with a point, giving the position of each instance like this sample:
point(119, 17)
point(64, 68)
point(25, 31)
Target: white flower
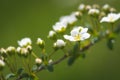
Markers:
point(59, 43)
point(81, 7)
point(10, 49)
point(59, 27)
point(51, 34)
point(78, 34)
point(112, 17)
point(38, 61)
point(24, 51)
point(93, 11)
point(40, 42)
point(25, 42)
point(88, 7)
point(70, 19)
point(106, 7)
point(50, 61)
point(18, 49)
point(2, 63)
point(3, 51)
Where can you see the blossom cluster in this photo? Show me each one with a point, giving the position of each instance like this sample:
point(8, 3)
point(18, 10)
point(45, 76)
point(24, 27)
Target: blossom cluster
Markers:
point(70, 34)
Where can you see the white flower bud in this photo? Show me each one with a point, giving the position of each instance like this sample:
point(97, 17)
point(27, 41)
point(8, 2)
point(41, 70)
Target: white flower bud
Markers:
point(24, 51)
point(29, 48)
point(88, 7)
point(2, 63)
point(3, 51)
point(11, 49)
point(25, 42)
point(59, 43)
point(106, 7)
point(81, 7)
point(52, 34)
point(96, 6)
point(40, 43)
point(18, 49)
point(93, 12)
point(50, 61)
point(38, 61)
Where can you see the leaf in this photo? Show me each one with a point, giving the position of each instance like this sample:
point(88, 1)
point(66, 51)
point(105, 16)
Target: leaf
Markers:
point(20, 70)
point(34, 68)
point(71, 60)
point(11, 75)
point(50, 68)
point(75, 53)
point(110, 43)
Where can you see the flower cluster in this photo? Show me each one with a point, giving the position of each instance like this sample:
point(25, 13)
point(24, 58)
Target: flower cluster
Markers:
point(84, 26)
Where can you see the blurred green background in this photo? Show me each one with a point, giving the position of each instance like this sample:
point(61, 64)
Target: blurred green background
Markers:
point(34, 18)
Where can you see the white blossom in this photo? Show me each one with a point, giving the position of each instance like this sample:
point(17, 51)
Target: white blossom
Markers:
point(112, 17)
point(59, 43)
point(51, 34)
point(60, 27)
point(2, 51)
point(70, 19)
point(24, 51)
point(93, 11)
point(64, 21)
point(38, 61)
point(40, 42)
point(25, 42)
point(18, 49)
point(81, 7)
point(78, 34)
point(106, 7)
point(10, 49)
point(2, 63)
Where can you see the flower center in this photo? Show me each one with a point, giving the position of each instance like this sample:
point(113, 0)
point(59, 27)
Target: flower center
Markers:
point(77, 37)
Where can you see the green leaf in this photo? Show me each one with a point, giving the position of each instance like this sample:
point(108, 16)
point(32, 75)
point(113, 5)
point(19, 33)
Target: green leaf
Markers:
point(75, 53)
point(71, 60)
point(34, 68)
point(110, 43)
point(50, 68)
point(11, 75)
point(20, 70)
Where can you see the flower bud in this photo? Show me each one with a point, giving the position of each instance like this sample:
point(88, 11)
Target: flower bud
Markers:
point(2, 64)
point(81, 7)
point(18, 49)
point(78, 14)
point(24, 51)
point(59, 44)
point(93, 12)
point(10, 50)
point(50, 61)
point(112, 10)
point(106, 7)
point(25, 42)
point(40, 43)
point(96, 6)
point(29, 48)
point(38, 61)
point(3, 52)
point(52, 34)
point(88, 7)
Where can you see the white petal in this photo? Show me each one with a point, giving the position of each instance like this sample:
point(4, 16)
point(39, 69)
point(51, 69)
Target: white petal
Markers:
point(85, 36)
point(74, 32)
point(84, 30)
point(70, 38)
